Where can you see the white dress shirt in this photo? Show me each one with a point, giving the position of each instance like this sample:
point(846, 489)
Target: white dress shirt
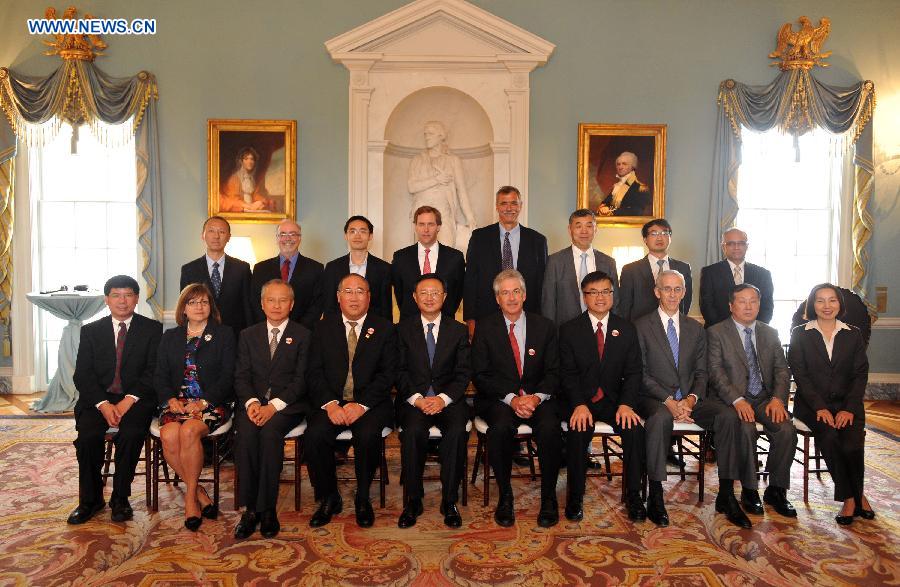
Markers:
point(115, 325)
point(591, 261)
point(361, 268)
point(209, 265)
point(829, 342)
point(743, 267)
point(654, 267)
point(432, 256)
point(436, 332)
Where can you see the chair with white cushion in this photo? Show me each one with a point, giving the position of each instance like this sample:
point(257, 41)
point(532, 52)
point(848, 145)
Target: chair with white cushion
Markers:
point(434, 435)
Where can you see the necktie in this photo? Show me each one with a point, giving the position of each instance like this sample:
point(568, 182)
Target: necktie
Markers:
point(351, 352)
point(515, 350)
point(754, 384)
point(601, 343)
point(507, 261)
point(659, 263)
point(116, 387)
point(285, 269)
point(273, 343)
point(582, 271)
point(216, 279)
point(426, 266)
point(673, 344)
point(430, 345)
point(738, 275)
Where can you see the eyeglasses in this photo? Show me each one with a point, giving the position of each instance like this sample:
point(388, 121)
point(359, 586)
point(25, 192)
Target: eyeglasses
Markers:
point(735, 243)
point(198, 303)
point(288, 234)
point(660, 233)
point(669, 289)
point(362, 231)
point(430, 293)
point(593, 293)
point(349, 291)
point(511, 293)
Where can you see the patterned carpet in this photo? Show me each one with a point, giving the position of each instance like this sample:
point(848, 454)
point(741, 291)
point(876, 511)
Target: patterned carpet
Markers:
point(38, 487)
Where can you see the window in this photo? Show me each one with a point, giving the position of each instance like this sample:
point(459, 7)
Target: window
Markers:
point(85, 224)
point(789, 195)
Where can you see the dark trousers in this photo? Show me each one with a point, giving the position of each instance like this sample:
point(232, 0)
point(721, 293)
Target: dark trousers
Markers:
point(844, 453)
point(632, 450)
point(502, 424)
point(259, 458)
point(319, 444)
point(723, 421)
point(782, 446)
point(451, 421)
point(92, 427)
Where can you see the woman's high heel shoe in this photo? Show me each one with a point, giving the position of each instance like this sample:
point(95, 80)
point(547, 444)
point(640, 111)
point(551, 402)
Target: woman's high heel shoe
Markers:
point(210, 511)
point(193, 523)
point(859, 512)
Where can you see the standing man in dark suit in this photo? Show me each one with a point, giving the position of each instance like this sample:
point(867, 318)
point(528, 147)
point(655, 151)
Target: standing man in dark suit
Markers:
point(516, 371)
point(302, 273)
point(639, 278)
point(717, 280)
point(271, 400)
point(600, 368)
point(562, 300)
point(503, 245)
point(748, 371)
point(426, 256)
point(114, 377)
point(227, 277)
point(358, 232)
point(351, 373)
point(674, 388)
point(432, 377)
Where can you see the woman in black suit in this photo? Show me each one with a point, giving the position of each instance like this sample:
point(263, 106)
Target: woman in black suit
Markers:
point(194, 371)
point(828, 359)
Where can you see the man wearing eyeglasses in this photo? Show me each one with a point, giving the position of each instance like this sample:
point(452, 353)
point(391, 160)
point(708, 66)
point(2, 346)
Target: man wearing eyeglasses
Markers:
point(639, 278)
point(302, 273)
point(717, 280)
point(352, 368)
point(515, 362)
point(600, 375)
point(432, 377)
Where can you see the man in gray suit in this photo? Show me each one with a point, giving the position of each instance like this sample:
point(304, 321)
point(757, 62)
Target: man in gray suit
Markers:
point(673, 387)
point(748, 371)
point(561, 299)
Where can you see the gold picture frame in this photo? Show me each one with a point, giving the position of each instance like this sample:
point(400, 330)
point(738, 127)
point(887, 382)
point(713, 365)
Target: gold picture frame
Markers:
point(252, 170)
point(599, 145)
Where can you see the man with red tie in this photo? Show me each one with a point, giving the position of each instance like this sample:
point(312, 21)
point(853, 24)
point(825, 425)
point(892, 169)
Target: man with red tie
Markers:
point(516, 371)
point(600, 373)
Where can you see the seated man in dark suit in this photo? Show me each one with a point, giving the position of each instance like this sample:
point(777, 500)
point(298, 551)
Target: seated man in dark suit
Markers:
point(600, 370)
point(639, 277)
point(426, 256)
point(227, 277)
point(516, 371)
point(717, 280)
point(114, 377)
point(302, 273)
point(748, 371)
point(351, 372)
point(271, 400)
point(673, 353)
point(432, 377)
point(358, 232)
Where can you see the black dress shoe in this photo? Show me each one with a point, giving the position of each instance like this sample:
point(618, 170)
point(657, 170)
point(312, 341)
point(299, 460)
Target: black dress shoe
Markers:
point(656, 510)
point(777, 498)
point(410, 514)
point(121, 510)
point(328, 507)
point(84, 512)
point(675, 460)
point(247, 526)
point(268, 524)
point(505, 514)
point(193, 523)
point(574, 509)
point(728, 505)
point(859, 512)
point(635, 506)
point(549, 514)
point(594, 462)
point(750, 501)
point(452, 518)
point(843, 520)
point(365, 516)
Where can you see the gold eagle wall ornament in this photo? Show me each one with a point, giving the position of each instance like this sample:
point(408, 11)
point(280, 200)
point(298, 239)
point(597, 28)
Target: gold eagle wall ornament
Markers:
point(801, 49)
point(84, 47)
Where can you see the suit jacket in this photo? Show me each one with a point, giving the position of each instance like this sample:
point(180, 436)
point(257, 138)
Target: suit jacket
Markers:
point(449, 374)
point(727, 362)
point(661, 377)
point(374, 364)
point(716, 283)
point(635, 202)
point(636, 286)
point(838, 383)
point(95, 365)
point(618, 374)
point(378, 274)
point(451, 267)
point(484, 260)
point(234, 300)
point(305, 281)
point(214, 359)
point(494, 366)
point(561, 296)
point(283, 373)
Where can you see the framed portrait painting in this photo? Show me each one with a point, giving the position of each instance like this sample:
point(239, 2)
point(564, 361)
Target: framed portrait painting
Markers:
point(622, 172)
point(252, 174)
